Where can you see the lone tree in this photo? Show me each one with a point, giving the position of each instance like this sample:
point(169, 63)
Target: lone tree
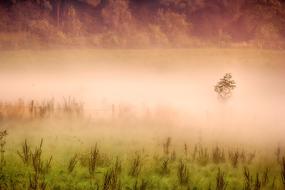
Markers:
point(225, 86)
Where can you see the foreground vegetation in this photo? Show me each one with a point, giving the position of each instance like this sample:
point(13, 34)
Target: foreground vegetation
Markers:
point(32, 167)
point(98, 155)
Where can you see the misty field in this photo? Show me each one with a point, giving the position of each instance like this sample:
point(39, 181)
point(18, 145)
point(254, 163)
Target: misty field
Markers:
point(141, 120)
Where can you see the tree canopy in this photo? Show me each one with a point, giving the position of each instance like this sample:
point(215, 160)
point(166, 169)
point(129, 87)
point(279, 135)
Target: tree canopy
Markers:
point(145, 23)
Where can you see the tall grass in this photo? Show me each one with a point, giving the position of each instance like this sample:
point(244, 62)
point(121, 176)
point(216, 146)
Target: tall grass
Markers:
point(3, 181)
point(221, 183)
point(143, 185)
point(33, 109)
point(247, 179)
point(201, 155)
point(3, 135)
point(72, 163)
point(283, 171)
point(164, 168)
point(38, 172)
point(183, 173)
point(265, 177)
point(257, 183)
point(37, 179)
point(234, 158)
point(111, 180)
point(218, 155)
point(93, 159)
point(136, 166)
point(166, 146)
point(25, 153)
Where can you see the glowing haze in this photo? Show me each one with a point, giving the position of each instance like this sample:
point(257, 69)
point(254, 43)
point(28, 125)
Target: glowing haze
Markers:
point(185, 88)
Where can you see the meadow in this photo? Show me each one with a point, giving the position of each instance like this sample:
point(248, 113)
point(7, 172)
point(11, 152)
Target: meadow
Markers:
point(180, 137)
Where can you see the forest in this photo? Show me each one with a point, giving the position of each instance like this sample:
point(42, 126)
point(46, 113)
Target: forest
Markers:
point(26, 24)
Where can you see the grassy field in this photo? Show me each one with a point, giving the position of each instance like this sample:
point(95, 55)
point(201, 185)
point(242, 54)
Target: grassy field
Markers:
point(56, 154)
point(60, 146)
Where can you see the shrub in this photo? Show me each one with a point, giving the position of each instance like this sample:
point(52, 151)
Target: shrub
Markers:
point(225, 86)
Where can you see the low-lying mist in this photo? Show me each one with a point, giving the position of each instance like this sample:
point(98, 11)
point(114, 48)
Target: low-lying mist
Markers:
point(177, 85)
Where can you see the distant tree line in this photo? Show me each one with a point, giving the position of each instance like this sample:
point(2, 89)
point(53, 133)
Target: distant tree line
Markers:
point(142, 23)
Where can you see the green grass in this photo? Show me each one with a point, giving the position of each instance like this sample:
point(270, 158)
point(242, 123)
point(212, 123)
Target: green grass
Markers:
point(124, 159)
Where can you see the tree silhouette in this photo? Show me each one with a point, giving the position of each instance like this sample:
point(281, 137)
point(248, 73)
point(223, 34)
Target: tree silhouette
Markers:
point(225, 86)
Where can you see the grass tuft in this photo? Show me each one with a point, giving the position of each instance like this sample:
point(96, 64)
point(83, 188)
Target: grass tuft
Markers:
point(183, 173)
point(72, 163)
point(25, 154)
point(93, 159)
point(221, 183)
point(218, 155)
point(136, 165)
point(283, 171)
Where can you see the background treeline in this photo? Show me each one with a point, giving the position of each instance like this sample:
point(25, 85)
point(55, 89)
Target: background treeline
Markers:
point(142, 23)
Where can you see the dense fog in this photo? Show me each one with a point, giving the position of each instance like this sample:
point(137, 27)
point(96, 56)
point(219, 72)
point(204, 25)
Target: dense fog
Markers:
point(182, 92)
